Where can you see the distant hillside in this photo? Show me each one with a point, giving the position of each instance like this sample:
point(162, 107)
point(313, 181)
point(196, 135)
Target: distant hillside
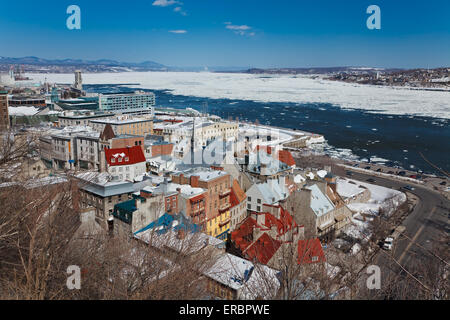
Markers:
point(35, 64)
point(316, 70)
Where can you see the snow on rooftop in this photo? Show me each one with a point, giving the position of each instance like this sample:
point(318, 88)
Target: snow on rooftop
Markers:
point(22, 111)
point(237, 273)
point(347, 190)
point(299, 178)
point(320, 203)
point(322, 173)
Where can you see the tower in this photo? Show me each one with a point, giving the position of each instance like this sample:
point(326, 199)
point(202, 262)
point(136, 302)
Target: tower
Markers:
point(193, 141)
point(78, 84)
point(4, 114)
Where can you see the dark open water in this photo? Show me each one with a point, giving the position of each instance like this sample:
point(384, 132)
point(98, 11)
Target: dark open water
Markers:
point(396, 138)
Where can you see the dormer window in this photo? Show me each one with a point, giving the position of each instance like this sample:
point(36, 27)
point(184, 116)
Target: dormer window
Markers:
point(120, 159)
point(113, 160)
point(127, 159)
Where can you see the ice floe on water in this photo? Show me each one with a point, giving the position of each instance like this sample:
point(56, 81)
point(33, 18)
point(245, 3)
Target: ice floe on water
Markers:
point(278, 88)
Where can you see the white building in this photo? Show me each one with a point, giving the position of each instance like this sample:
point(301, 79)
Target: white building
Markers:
point(270, 192)
point(126, 163)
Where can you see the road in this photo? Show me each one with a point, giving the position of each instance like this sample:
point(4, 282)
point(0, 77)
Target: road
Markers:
point(423, 225)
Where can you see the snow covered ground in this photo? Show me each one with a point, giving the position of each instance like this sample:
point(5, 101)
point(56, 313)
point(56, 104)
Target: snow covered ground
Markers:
point(278, 88)
point(380, 198)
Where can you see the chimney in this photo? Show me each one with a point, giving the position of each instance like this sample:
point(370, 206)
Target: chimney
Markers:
point(282, 182)
point(333, 187)
point(194, 181)
point(181, 234)
point(111, 226)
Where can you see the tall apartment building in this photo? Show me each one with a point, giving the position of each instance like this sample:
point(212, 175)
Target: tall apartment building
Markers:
point(4, 114)
point(138, 102)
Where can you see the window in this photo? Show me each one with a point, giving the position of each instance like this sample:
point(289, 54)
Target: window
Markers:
point(315, 259)
point(113, 160)
point(259, 201)
point(258, 208)
point(249, 206)
point(249, 199)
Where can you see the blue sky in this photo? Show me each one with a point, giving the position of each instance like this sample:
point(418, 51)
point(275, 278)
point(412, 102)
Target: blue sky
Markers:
point(250, 33)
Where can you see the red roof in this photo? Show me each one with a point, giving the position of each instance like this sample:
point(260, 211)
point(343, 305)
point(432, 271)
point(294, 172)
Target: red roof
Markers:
point(310, 251)
point(242, 237)
point(263, 249)
point(284, 224)
point(286, 157)
point(265, 148)
point(124, 156)
point(233, 199)
point(197, 198)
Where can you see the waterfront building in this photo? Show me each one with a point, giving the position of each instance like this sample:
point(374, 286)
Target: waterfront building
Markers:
point(138, 102)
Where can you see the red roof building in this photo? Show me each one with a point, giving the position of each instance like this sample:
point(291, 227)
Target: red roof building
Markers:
point(310, 251)
point(274, 228)
point(286, 157)
point(124, 156)
point(126, 163)
point(263, 249)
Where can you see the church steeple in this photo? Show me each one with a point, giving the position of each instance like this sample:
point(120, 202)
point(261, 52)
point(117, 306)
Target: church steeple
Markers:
point(193, 141)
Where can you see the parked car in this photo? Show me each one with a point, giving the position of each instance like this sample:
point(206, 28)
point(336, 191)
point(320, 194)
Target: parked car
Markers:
point(443, 183)
point(349, 173)
point(367, 168)
point(413, 176)
point(408, 187)
point(388, 243)
point(371, 180)
point(379, 170)
point(391, 172)
point(356, 165)
point(402, 173)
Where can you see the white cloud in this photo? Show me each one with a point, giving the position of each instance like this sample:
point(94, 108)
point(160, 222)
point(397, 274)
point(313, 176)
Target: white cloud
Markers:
point(165, 3)
point(178, 31)
point(240, 29)
point(233, 27)
point(180, 11)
